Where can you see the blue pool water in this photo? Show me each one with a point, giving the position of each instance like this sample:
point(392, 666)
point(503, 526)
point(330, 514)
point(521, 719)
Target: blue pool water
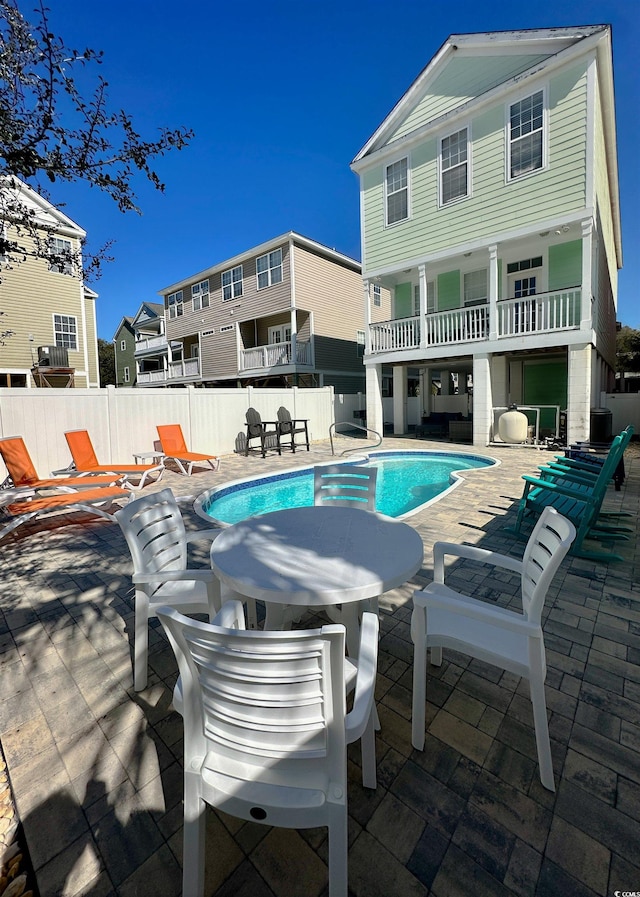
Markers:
point(406, 482)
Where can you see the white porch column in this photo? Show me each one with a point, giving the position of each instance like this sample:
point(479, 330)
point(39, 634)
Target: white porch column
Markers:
point(422, 274)
point(367, 316)
point(586, 322)
point(482, 400)
point(579, 395)
point(493, 292)
point(399, 400)
point(294, 336)
point(375, 417)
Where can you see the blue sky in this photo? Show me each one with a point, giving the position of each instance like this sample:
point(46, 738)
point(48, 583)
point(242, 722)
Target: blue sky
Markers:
point(281, 95)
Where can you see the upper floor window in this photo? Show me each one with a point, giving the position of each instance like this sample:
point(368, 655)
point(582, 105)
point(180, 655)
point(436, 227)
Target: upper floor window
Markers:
point(397, 191)
point(174, 304)
point(454, 167)
point(377, 295)
point(232, 283)
point(123, 345)
point(126, 375)
point(522, 277)
point(360, 342)
point(200, 295)
point(526, 135)
point(65, 331)
point(269, 269)
point(60, 258)
point(476, 289)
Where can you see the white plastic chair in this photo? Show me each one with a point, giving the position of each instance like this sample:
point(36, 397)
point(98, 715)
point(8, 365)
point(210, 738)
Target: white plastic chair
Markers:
point(266, 728)
point(345, 485)
point(505, 638)
point(155, 533)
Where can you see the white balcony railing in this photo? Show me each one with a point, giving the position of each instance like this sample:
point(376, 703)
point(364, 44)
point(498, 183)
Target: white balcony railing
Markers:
point(181, 369)
point(274, 355)
point(148, 343)
point(540, 314)
point(145, 378)
point(544, 313)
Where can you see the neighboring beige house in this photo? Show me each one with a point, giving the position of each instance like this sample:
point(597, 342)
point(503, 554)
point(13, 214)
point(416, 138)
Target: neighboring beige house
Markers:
point(490, 210)
point(287, 312)
point(50, 311)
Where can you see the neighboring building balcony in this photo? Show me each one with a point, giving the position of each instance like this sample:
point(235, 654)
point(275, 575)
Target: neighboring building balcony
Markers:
point(156, 345)
point(545, 313)
point(184, 371)
point(292, 355)
point(151, 378)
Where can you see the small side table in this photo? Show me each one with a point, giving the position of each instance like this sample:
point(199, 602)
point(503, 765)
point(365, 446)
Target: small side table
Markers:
point(155, 456)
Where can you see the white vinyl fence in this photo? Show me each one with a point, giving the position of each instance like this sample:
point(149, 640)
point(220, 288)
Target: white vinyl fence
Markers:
point(123, 421)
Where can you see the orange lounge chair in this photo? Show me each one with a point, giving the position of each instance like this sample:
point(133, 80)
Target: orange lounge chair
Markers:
point(86, 463)
point(24, 476)
point(175, 449)
point(20, 512)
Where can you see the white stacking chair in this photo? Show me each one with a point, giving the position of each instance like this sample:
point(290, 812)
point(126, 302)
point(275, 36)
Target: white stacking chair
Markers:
point(508, 639)
point(155, 533)
point(266, 728)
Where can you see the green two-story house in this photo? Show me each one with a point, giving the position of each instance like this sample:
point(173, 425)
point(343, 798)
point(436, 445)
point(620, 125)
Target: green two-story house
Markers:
point(490, 210)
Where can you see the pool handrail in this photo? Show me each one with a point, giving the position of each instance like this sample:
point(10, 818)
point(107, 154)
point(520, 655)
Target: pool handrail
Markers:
point(333, 429)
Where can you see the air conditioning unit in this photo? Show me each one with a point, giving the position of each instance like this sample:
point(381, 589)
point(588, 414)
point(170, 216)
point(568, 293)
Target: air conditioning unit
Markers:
point(53, 357)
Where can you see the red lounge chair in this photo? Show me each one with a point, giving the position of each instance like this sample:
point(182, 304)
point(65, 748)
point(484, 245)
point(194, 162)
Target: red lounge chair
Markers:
point(24, 476)
point(86, 463)
point(175, 449)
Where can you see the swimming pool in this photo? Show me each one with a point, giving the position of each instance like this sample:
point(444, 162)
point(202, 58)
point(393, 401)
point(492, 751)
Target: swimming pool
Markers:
point(407, 481)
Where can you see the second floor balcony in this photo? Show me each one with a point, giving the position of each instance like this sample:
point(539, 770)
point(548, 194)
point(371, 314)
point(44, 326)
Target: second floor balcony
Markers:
point(284, 354)
point(145, 345)
point(530, 316)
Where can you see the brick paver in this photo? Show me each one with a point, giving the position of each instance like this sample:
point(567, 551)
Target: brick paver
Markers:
point(96, 768)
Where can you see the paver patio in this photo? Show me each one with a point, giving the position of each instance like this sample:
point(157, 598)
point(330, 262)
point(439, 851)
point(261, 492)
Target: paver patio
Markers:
point(96, 768)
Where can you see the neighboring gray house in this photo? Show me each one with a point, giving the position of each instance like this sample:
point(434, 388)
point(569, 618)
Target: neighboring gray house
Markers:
point(490, 211)
point(150, 345)
point(124, 353)
point(289, 311)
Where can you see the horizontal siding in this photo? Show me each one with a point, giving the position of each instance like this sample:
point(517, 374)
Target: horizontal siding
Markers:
point(603, 193)
point(218, 355)
point(30, 294)
point(253, 302)
point(495, 206)
point(463, 79)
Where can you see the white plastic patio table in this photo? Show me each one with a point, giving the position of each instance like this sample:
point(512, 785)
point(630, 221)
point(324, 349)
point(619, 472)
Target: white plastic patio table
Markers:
point(317, 556)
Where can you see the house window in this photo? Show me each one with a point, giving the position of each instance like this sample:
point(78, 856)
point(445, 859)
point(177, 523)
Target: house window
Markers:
point(524, 265)
point(360, 338)
point(126, 375)
point(232, 284)
point(200, 295)
point(526, 127)
point(454, 167)
point(431, 298)
point(123, 345)
point(174, 304)
point(523, 277)
point(65, 329)
point(377, 295)
point(524, 286)
point(475, 287)
point(227, 328)
point(269, 269)
point(60, 255)
point(397, 191)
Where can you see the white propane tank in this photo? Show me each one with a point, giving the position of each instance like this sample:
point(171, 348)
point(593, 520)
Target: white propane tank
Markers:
point(513, 425)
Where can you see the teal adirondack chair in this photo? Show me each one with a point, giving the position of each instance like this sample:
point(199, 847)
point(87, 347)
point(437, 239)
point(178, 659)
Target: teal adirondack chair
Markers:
point(579, 499)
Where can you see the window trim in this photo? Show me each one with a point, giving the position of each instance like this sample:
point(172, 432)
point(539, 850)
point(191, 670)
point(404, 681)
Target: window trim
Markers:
point(389, 165)
point(199, 293)
point(67, 269)
point(376, 297)
point(175, 307)
point(509, 178)
point(442, 204)
point(233, 283)
point(74, 332)
point(268, 271)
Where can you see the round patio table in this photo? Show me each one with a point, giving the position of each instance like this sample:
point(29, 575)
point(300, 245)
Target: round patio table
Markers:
point(317, 556)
